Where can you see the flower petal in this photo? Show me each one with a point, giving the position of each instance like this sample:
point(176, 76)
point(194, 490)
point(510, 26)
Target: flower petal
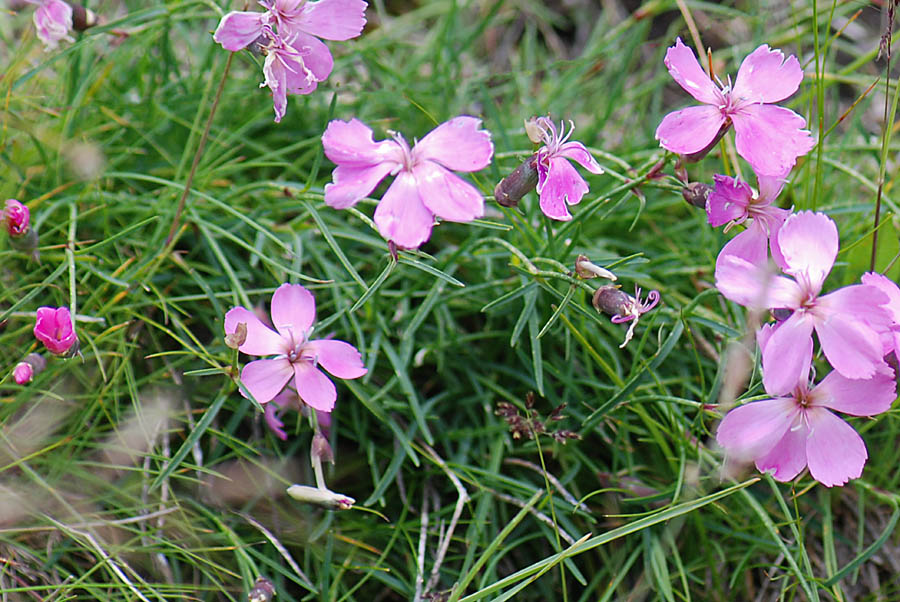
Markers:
point(850, 345)
point(333, 19)
point(751, 430)
point(889, 288)
point(684, 69)
point(752, 285)
point(788, 458)
point(316, 57)
point(457, 144)
point(352, 183)
point(728, 201)
point(351, 143)
point(266, 378)
point(293, 311)
point(581, 155)
point(809, 244)
point(273, 422)
point(562, 184)
point(447, 195)
point(857, 397)
point(689, 130)
point(276, 80)
point(261, 340)
point(751, 245)
point(401, 216)
point(863, 302)
point(237, 29)
point(835, 452)
point(770, 137)
point(337, 357)
point(765, 76)
point(315, 389)
point(787, 354)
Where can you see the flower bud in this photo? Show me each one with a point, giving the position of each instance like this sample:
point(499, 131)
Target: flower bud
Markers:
point(321, 449)
point(533, 130)
point(55, 330)
point(82, 18)
point(585, 269)
point(611, 300)
point(16, 218)
point(23, 373)
point(520, 182)
point(322, 497)
point(263, 590)
point(696, 194)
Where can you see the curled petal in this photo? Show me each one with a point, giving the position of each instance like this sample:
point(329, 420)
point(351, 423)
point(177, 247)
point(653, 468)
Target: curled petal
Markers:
point(581, 155)
point(753, 429)
point(458, 144)
point(809, 244)
point(690, 130)
point(261, 340)
point(266, 378)
point(315, 389)
point(770, 137)
point(276, 80)
point(684, 69)
point(447, 195)
point(562, 185)
point(273, 422)
point(337, 357)
point(401, 216)
point(857, 397)
point(293, 311)
point(316, 57)
point(788, 458)
point(835, 452)
point(353, 183)
point(765, 76)
point(237, 29)
point(333, 19)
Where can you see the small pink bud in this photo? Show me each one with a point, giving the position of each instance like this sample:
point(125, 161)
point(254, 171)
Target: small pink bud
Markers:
point(55, 330)
point(16, 218)
point(23, 373)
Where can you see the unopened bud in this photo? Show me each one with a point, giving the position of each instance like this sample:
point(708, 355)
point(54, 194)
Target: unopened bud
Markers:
point(322, 497)
point(696, 194)
point(23, 373)
point(611, 300)
point(520, 182)
point(238, 337)
point(16, 218)
point(263, 590)
point(321, 449)
point(82, 18)
point(585, 269)
point(694, 157)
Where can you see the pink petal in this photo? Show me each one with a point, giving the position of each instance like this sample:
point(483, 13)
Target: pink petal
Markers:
point(728, 201)
point(447, 195)
point(315, 389)
point(352, 183)
point(765, 76)
point(857, 397)
point(261, 340)
point(316, 57)
point(751, 245)
point(266, 378)
point(852, 348)
point(788, 458)
point(835, 452)
point(752, 285)
point(769, 188)
point(337, 357)
point(276, 80)
point(581, 155)
point(237, 30)
point(53, 21)
point(350, 143)
point(690, 130)
point(684, 69)
point(333, 19)
point(457, 144)
point(787, 355)
point(809, 244)
point(770, 137)
point(401, 216)
point(863, 302)
point(562, 184)
point(293, 311)
point(272, 421)
point(889, 288)
point(753, 429)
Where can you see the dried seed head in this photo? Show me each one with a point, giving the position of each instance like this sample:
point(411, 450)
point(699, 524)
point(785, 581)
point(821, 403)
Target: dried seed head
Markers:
point(520, 182)
point(585, 269)
point(611, 300)
point(696, 194)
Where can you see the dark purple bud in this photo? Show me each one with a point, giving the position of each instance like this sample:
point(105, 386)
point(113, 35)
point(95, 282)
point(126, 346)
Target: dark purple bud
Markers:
point(82, 18)
point(520, 182)
point(611, 300)
point(696, 194)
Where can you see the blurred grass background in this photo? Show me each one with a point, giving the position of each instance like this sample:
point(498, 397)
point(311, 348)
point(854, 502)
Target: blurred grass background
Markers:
point(141, 473)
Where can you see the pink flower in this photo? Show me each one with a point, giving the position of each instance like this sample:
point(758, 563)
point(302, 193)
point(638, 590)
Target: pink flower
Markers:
point(769, 137)
point(53, 21)
point(890, 337)
point(424, 187)
point(847, 321)
point(289, 70)
point(55, 330)
point(795, 428)
point(296, 355)
point(23, 373)
point(558, 182)
point(16, 218)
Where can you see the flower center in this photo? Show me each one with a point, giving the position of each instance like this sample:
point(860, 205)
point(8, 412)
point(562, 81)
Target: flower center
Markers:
point(409, 159)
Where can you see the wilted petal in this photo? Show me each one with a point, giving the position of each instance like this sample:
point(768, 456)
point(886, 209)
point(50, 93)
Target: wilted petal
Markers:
point(753, 429)
point(770, 137)
point(352, 183)
point(351, 143)
point(835, 452)
point(266, 378)
point(857, 397)
point(315, 389)
point(333, 19)
point(689, 130)
point(581, 155)
point(684, 69)
point(339, 358)
point(276, 80)
point(293, 311)
point(765, 76)
point(261, 340)
point(787, 354)
point(457, 144)
point(788, 458)
point(562, 184)
point(809, 245)
point(447, 195)
point(237, 30)
point(401, 216)
point(852, 348)
point(728, 201)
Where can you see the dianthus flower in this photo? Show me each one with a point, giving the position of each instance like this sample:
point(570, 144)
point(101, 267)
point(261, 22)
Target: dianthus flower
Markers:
point(558, 182)
point(848, 321)
point(53, 21)
point(53, 327)
point(296, 355)
point(795, 428)
point(769, 137)
point(425, 186)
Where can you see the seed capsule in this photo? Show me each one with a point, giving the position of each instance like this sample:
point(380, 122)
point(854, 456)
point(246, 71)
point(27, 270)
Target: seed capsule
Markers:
point(696, 194)
point(520, 182)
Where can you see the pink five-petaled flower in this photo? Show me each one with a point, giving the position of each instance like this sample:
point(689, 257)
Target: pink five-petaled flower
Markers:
point(769, 137)
point(558, 182)
point(16, 218)
point(848, 321)
point(53, 21)
point(293, 314)
point(795, 428)
point(732, 202)
point(53, 327)
point(424, 187)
